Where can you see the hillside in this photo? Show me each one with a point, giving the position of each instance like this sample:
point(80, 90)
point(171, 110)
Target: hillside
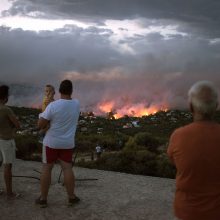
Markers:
point(141, 140)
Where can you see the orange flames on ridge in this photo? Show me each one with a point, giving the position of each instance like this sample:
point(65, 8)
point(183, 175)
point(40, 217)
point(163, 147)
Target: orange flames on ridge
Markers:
point(136, 110)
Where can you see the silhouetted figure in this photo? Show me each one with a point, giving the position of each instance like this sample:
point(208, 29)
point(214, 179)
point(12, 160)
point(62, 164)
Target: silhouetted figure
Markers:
point(8, 125)
point(98, 151)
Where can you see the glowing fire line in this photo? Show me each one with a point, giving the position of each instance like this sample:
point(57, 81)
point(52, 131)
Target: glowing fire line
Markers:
point(136, 110)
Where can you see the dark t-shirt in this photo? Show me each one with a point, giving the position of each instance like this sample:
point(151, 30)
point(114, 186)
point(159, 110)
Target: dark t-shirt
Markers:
point(7, 128)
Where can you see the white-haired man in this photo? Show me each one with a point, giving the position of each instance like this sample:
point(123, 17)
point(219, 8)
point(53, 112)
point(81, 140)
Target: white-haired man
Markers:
point(195, 151)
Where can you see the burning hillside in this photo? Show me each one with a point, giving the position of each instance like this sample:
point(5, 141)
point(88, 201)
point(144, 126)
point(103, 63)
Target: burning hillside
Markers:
point(135, 110)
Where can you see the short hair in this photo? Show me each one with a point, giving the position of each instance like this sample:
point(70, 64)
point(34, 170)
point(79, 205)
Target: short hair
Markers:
point(66, 87)
point(4, 92)
point(203, 96)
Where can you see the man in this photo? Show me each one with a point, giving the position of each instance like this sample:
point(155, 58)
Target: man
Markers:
point(195, 151)
point(98, 151)
point(8, 125)
point(62, 117)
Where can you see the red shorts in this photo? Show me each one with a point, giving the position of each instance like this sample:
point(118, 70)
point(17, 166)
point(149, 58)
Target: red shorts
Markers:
point(51, 155)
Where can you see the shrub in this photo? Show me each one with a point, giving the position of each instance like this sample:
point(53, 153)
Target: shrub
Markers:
point(164, 167)
point(141, 162)
point(26, 145)
point(87, 142)
point(143, 141)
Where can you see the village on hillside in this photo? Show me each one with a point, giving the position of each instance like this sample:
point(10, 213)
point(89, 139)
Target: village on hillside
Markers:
point(142, 140)
point(88, 122)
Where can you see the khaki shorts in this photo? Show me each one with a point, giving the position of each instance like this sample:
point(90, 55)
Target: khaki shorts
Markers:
point(7, 151)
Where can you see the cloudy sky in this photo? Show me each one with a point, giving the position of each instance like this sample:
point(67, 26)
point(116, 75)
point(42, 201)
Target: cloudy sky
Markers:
point(126, 52)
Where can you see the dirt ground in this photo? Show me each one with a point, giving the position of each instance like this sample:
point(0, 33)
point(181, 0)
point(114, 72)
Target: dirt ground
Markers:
point(104, 195)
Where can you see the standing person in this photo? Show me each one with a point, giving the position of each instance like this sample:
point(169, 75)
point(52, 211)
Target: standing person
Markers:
point(8, 125)
point(49, 93)
point(98, 151)
point(58, 142)
point(195, 151)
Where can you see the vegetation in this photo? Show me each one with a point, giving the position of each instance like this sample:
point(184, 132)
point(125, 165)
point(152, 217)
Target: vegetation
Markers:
point(139, 149)
point(28, 147)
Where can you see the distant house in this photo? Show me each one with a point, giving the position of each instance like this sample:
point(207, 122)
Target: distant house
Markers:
point(81, 122)
point(35, 133)
point(127, 125)
point(135, 124)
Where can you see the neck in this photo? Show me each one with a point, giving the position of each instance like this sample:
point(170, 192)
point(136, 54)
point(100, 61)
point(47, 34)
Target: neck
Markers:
point(200, 117)
point(2, 102)
point(68, 97)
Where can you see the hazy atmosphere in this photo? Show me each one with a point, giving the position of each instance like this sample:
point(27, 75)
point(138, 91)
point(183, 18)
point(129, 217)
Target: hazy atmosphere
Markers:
point(124, 54)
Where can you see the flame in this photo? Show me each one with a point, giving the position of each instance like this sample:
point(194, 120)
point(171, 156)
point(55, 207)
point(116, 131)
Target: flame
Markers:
point(135, 110)
point(106, 106)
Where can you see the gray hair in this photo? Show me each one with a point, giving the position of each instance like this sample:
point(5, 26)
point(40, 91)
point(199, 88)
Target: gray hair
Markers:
point(203, 96)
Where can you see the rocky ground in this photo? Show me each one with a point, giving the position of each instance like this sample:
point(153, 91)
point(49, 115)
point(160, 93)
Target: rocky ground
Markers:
point(111, 196)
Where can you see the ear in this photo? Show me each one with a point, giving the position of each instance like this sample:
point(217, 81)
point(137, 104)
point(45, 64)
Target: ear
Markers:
point(191, 107)
point(6, 100)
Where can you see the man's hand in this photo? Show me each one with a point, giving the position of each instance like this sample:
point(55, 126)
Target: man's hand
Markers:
point(14, 121)
point(43, 123)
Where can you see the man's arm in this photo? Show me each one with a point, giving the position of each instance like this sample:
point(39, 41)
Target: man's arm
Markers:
point(45, 118)
point(14, 121)
point(43, 123)
point(170, 149)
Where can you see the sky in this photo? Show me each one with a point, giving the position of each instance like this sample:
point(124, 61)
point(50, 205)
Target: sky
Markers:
point(124, 53)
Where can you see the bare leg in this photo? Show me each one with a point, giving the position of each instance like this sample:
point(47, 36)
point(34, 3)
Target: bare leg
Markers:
point(8, 178)
point(45, 180)
point(69, 178)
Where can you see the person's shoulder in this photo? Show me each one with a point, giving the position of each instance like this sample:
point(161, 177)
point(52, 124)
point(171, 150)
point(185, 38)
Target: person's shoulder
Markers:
point(52, 104)
point(7, 108)
point(76, 101)
point(183, 129)
point(55, 102)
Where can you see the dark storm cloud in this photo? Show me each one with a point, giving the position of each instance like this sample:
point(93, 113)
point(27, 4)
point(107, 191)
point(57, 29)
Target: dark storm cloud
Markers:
point(160, 69)
point(199, 14)
point(30, 54)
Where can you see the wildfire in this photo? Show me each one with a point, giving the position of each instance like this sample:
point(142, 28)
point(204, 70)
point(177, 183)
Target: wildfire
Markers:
point(136, 110)
point(106, 106)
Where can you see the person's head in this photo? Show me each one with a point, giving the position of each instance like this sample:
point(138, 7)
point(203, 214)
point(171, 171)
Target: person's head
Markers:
point(4, 93)
point(49, 90)
point(66, 87)
point(203, 98)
